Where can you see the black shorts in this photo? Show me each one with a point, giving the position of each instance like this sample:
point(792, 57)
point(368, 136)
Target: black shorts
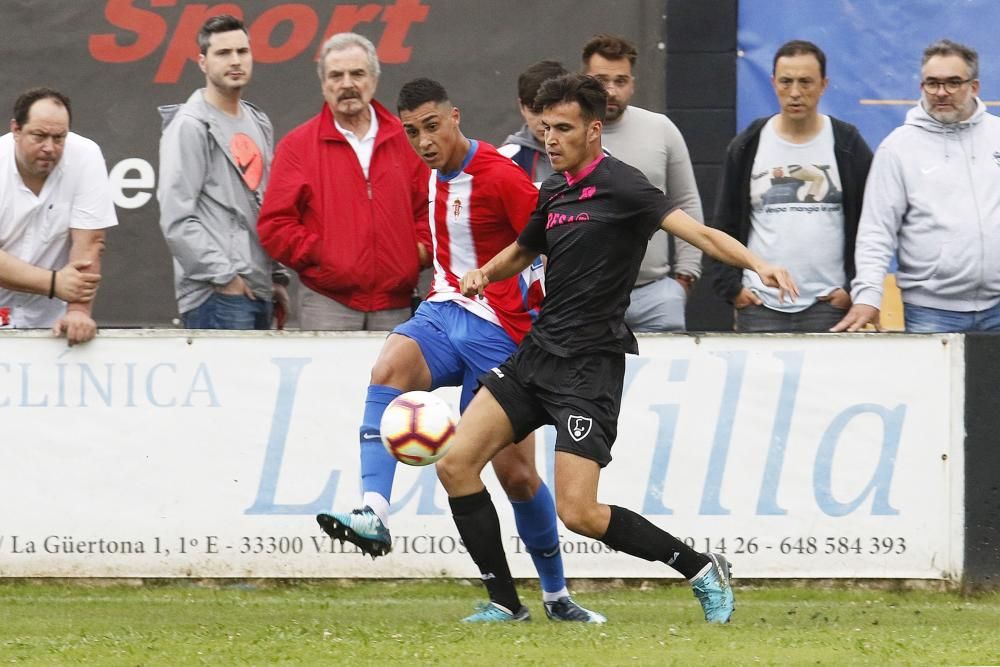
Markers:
point(581, 396)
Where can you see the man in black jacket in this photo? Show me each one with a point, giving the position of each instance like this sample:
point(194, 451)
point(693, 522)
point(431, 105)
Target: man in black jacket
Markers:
point(791, 190)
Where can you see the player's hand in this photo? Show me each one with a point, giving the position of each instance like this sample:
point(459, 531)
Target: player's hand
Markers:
point(73, 285)
point(76, 326)
point(838, 298)
point(775, 276)
point(237, 287)
point(857, 317)
point(746, 298)
point(474, 283)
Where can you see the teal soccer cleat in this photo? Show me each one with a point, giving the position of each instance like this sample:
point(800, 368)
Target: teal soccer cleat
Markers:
point(361, 528)
point(491, 612)
point(714, 591)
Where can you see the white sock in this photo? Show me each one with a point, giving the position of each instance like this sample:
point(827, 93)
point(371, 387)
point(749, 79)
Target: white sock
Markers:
point(702, 572)
point(379, 505)
point(554, 597)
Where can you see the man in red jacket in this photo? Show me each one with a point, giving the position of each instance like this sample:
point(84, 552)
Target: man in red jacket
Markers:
point(346, 206)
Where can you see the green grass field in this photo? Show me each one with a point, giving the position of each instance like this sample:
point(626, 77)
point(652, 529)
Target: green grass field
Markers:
point(414, 622)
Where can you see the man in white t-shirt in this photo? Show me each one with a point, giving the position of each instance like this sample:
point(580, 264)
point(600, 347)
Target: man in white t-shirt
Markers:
point(55, 203)
point(791, 190)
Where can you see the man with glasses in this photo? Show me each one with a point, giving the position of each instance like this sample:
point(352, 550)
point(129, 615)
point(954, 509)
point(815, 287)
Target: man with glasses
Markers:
point(791, 190)
point(651, 143)
point(932, 200)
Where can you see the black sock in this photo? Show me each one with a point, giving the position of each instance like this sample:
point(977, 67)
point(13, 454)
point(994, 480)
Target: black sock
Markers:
point(633, 534)
point(478, 525)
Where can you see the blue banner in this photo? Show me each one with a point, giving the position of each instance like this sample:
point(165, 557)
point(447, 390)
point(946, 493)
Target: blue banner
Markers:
point(873, 50)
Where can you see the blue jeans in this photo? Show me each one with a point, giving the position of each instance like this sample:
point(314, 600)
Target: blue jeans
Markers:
point(921, 319)
point(229, 311)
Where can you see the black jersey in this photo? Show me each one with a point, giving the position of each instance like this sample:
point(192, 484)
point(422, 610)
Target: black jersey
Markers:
point(594, 232)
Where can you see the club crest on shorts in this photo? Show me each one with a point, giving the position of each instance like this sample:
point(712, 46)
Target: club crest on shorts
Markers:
point(579, 427)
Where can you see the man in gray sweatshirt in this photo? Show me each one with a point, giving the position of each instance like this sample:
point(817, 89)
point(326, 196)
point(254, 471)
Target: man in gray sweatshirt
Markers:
point(651, 143)
point(215, 156)
point(932, 200)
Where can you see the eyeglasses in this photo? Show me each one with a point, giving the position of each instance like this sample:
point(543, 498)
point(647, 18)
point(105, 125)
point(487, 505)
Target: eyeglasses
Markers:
point(933, 86)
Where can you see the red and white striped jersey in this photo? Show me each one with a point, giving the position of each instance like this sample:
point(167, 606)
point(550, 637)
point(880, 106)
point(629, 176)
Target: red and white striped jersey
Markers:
point(475, 212)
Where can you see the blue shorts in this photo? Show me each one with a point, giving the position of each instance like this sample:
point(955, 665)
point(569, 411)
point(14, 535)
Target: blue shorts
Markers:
point(457, 345)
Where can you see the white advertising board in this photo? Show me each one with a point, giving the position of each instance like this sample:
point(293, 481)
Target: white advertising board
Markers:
point(161, 454)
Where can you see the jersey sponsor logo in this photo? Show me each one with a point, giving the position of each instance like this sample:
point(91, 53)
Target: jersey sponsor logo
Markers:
point(579, 426)
point(556, 219)
point(588, 192)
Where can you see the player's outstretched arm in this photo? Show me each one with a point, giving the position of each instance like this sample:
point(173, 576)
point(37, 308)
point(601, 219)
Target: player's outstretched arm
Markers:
point(508, 262)
point(725, 248)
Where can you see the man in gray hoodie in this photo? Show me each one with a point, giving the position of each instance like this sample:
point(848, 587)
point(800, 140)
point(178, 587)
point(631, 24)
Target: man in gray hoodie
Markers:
point(932, 200)
point(215, 155)
point(526, 147)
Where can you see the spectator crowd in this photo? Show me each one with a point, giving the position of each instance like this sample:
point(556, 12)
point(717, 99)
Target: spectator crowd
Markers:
point(345, 204)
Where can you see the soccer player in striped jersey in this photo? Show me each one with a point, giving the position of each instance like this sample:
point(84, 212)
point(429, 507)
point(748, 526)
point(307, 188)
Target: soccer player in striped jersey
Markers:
point(480, 202)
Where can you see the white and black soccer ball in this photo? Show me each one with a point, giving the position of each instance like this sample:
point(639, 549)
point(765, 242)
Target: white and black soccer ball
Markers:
point(417, 428)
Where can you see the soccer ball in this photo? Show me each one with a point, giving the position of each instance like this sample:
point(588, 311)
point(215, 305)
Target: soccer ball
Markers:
point(417, 428)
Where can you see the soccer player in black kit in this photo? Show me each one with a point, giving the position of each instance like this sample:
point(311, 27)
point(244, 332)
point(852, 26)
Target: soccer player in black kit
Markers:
point(593, 220)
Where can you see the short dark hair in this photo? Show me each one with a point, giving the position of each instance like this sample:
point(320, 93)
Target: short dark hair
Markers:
point(611, 47)
point(946, 47)
point(580, 88)
point(22, 106)
point(418, 92)
point(216, 24)
point(800, 47)
point(532, 79)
